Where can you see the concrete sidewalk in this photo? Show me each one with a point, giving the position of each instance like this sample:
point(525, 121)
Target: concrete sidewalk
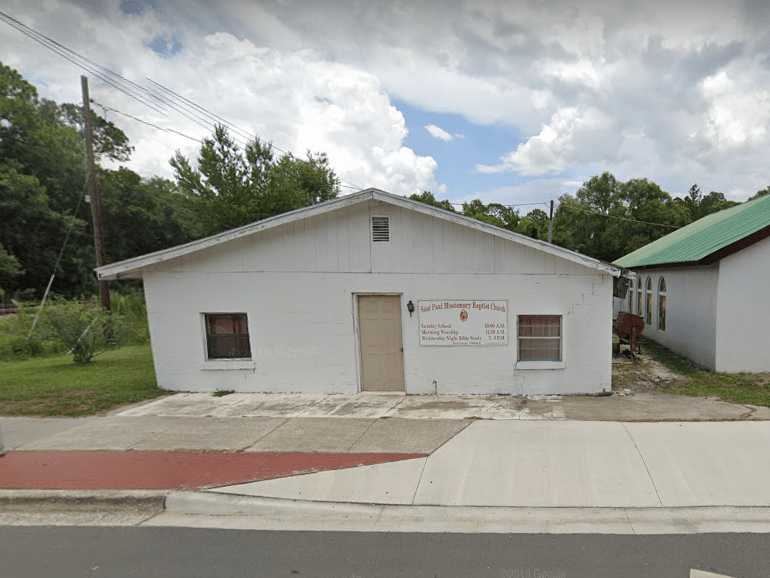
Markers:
point(636, 407)
point(558, 464)
point(234, 434)
point(450, 475)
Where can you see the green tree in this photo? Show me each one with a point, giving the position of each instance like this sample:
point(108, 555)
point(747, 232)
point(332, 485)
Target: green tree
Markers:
point(760, 193)
point(143, 215)
point(231, 187)
point(428, 198)
point(9, 268)
point(607, 218)
point(699, 205)
point(42, 178)
point(493, 213)
point(33, 232)
point(109, 140)
point(534, 224)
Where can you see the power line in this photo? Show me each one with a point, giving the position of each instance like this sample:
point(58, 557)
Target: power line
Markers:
point(513, 206)
point(221, 120)
point(215, 117)
point(168, 99)
point(146, 122)
point(78, 60)
point(106, 108)
point(195, 116)
point(106, 75)
point(586, 211)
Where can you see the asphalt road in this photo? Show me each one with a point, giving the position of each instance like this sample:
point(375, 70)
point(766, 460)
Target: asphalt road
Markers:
point(184, 552)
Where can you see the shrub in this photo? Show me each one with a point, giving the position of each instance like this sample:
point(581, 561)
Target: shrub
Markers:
point(83, 329)
point(21, 347)
point(15, 339)
point(132, 311)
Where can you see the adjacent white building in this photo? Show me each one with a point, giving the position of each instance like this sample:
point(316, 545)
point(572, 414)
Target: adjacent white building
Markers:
point(375, 292)
point(704, 289)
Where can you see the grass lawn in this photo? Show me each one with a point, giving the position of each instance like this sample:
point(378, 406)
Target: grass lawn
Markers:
point(56, 386)
point(747, 388)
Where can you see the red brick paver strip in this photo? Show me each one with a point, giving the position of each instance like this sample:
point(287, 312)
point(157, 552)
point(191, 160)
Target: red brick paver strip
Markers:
point(160, 470)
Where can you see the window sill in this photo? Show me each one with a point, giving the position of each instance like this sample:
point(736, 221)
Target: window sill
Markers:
point(540, 365)
point(228, 365)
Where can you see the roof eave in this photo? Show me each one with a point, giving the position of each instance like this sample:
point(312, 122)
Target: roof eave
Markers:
point(544, 246)
point(134, 267)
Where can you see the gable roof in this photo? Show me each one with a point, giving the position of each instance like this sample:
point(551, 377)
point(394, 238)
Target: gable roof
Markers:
point(708, 239)
point(132, 267)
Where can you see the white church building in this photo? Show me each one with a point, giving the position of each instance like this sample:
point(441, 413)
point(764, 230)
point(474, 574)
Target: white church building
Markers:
point(704, 290)
point(376, 292)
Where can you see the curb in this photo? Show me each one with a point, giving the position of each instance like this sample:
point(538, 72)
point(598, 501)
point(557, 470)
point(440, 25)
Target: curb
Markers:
point(60, 500)
point(211, 509)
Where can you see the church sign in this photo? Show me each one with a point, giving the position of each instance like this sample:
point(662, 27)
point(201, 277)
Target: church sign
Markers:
point(450, 322)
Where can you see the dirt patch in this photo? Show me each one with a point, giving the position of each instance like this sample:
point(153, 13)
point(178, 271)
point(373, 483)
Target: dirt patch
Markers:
point(642, 374)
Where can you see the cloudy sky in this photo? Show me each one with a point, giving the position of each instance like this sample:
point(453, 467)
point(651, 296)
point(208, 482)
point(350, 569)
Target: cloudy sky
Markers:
point(514, 102)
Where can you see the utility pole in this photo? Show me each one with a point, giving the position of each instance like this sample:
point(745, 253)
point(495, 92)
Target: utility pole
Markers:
point(94, 193)
point(550, 223)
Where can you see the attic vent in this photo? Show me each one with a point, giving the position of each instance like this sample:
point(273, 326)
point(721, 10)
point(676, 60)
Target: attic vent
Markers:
point(380, 229)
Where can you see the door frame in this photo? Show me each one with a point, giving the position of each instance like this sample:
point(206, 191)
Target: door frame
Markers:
point(357, 334)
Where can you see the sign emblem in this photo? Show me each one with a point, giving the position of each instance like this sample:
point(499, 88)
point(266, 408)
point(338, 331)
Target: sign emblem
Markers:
point(464, 315)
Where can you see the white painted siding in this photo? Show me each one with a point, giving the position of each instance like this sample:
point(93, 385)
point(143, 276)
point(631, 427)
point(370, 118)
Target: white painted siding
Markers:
point(340, 242)
point(691, 311)
point(297, 285)
point(743, 310)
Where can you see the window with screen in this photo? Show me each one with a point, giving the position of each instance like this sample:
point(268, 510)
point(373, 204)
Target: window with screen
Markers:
point(227, 336)
point(539, 337)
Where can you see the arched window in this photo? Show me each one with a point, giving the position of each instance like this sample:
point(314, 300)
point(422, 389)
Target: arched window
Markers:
point(631, 297)
point(639, 296)
point(662, 304)
point(648, 301)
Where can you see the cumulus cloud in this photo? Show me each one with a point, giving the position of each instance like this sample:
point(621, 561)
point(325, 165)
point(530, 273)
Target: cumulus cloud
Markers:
point(588, 85)
point(673, 91)
point(295, 98)
point(439, 133)
point(572, 136)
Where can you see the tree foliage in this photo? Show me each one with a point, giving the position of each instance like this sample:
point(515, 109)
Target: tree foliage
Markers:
point(605, 218)
point(231, 186)
point(9, 268)
point(42, 179)
point(428, 198)
point(760, 193)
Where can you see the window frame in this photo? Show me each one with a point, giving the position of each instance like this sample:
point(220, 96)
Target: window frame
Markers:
point(541, 364)
point(662, 304)
point(638, 296)
point(648, 301)
point(631, 298)
point(215, 361)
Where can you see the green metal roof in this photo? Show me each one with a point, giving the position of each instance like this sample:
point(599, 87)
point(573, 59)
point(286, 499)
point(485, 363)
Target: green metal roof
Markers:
point(704, 237)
